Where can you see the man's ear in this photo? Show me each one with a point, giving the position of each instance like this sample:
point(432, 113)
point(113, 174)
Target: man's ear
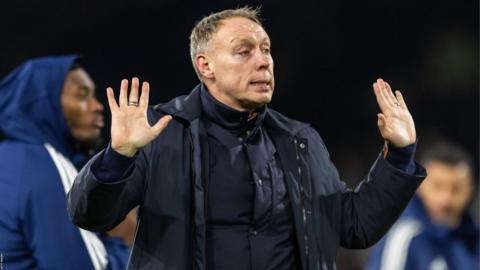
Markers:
point(204, 66)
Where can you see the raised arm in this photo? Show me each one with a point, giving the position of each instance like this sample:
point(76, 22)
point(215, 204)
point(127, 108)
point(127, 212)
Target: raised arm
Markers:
point(370, 209)
point(112, 182)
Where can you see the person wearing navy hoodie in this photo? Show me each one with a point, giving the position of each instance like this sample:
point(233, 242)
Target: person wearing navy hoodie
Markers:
point(48, 115)
point(224, 182)
point(436, 231)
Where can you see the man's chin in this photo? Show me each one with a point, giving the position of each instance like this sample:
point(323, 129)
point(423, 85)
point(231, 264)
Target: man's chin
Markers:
point(90, 144)
point(264, 100)
point(262, 97)
point(445, 220)
point(253, 104)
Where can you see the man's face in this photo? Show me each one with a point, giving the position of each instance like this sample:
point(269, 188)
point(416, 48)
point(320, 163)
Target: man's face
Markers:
point(241, 64)
point(82, 110)
point(446, 191)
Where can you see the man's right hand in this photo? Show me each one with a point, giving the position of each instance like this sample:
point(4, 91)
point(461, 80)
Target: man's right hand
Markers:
point(130, 128)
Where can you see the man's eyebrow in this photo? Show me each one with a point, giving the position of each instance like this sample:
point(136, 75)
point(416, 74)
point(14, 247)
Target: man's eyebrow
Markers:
point(85, 87)
point(249, 40)
point(242, 40)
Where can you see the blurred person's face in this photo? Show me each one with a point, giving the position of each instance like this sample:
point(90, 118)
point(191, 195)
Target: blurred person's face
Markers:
point(82, 110)
point(238, 66)
point(446, 192)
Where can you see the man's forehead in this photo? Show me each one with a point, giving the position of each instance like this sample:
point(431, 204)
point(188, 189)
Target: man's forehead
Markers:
point(81, 77)
point(239, 28)
point(441, 170)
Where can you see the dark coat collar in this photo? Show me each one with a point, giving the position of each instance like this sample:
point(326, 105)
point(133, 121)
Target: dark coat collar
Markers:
point(188, 108)
point(230, 118)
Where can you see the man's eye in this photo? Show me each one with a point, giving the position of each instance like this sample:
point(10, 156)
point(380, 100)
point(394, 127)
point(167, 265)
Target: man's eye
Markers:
point(243, 53)
point(266, 50)
point(83, 93)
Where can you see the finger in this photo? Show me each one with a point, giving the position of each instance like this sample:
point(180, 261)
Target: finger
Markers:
point(112, 103)
point(134, 91)
point(400, 99)
point(123, 93)
point(390, 94)
point(382, 103)
point(384, 93)
point(161, 124)
point(144, 95)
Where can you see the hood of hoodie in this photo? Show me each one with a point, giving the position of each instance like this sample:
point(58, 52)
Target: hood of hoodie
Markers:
point(30, 103)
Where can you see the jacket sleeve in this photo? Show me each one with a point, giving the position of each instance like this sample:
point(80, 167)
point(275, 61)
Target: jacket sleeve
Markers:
point(98, 205)
point(375, 256)
point(35, 231)
point(117, 251)
point(365, 213)
point(52, 239)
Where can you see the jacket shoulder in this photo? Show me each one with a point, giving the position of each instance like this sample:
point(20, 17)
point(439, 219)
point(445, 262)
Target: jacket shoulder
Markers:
point(278, 121)
point(22, 162)
point(296, 128)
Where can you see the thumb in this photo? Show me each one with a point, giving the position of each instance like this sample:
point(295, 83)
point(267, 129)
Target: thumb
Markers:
point(161, 124)
point(381, 120)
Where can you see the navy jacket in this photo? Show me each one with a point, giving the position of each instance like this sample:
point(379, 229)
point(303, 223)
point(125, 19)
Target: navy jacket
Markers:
point(36, 172)
point(415, 243)
point(166, 182)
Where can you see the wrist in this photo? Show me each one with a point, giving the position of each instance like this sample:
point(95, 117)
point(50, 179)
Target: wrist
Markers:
point(400, 144)
point(128, 151)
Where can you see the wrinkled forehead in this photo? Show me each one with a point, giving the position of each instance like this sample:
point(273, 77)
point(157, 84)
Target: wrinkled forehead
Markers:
point(238, 29)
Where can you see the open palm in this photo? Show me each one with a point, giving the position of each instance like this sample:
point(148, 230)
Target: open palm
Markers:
point(130, 129)
point(395, 121)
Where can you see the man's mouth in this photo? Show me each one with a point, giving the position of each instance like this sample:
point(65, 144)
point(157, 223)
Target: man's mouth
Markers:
point(261, 83)
point(99, 123)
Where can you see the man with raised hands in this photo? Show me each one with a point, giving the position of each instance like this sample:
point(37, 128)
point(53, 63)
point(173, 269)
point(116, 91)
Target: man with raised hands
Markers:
point(224, 182)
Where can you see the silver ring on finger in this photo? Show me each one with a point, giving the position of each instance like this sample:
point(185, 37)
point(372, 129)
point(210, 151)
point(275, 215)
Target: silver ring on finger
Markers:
point(133, 103)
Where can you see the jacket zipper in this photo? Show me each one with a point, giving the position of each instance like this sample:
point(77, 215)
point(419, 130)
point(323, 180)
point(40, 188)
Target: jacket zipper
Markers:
point(302, 188)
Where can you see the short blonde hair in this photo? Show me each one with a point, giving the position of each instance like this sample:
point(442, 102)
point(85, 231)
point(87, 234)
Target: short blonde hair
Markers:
point(207, 26)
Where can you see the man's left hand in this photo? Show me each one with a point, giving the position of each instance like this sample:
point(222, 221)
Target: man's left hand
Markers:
point(395, 121)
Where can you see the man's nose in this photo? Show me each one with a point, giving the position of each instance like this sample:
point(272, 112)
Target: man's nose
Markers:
point(446, 197)
point(97, 106)
point(262, 60)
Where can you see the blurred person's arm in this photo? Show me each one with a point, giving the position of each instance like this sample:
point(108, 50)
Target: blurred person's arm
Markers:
point(119, 240)
point(35, 231)
point(399, 249)
point(126, 229)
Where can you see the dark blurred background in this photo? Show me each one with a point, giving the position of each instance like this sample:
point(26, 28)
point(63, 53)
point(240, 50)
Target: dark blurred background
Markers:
point(327, 55)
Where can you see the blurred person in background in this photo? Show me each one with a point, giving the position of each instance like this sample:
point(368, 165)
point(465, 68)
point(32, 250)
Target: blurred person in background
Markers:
point(49, 120)
point(436, 231)
point(226, 183)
